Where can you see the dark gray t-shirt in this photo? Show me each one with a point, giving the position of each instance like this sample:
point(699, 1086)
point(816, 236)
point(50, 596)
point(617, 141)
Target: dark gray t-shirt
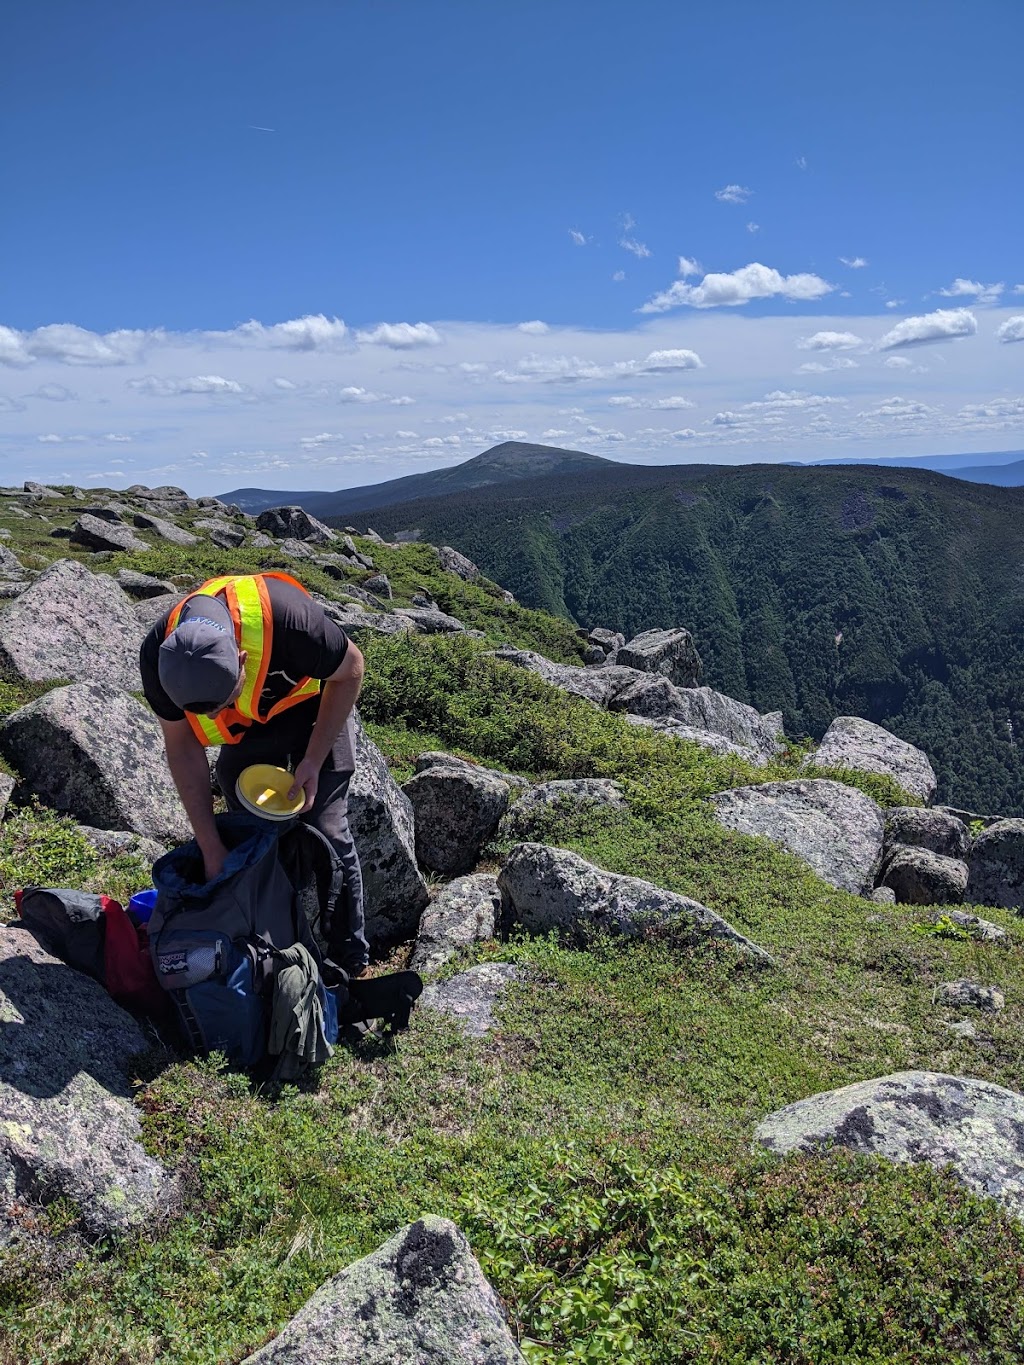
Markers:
point(306, 644)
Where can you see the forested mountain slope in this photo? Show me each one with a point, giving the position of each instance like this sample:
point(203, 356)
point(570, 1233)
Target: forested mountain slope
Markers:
point(895, 594)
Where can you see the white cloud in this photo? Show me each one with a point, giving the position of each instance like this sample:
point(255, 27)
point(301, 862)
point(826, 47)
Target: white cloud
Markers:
point(619, 276)
point(406, 435)
point(53, 393)
point(688, 266)
point(658, 362)
point(685, 434)
point(533, 329)
point(671, 403)
point(624, 400)
point(728, 419)
point(901, 409)
point(941, 325)
point(117, 436)
point(834, 362)
point(550, 369)
point(780, 398)
point(552, 434)
point(801, 163)
point(285, 384)
point(1012, 329)
point(71, 345)
point(199, 383)
point(753, 227)
point(854, 262)
point(402, 401)
point(314, 332)
point(899, 362)
point(984, 293)
point(577, 238)
point(321, 439)
point(733, 194)
point(754, 281)
point(400, 335)
point(895, 303)
point(830, 341)
point(639, 249)
point(352, 393)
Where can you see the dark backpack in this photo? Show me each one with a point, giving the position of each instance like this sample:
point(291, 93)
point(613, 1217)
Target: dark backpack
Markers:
point(95, 935)
point(213, 943)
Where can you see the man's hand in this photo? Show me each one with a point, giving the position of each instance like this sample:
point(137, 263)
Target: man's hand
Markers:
point(307, 779)
point(214, 855)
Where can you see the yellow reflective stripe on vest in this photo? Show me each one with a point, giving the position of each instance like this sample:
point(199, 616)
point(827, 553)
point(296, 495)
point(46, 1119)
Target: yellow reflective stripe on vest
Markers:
point(250, 614)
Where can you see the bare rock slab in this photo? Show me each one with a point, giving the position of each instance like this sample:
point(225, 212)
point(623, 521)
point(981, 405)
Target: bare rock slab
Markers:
point(920, 877)
point(421, 1299)
point(453, 561)
point(97, 754)
point(850, 742)
point(381, 819)
point(67, 1123)
point(836, 829)
point(670, 652)
point(456, 810)
point(166, 530)
point(292, 523)
point(95, 533)
point(936, 830)
point(464, 911)
point(431, 621)
point(550, 888)
point(916, 1116)
point(71, 624)
point(972, 993)
point(472, 996)
point(997, 865)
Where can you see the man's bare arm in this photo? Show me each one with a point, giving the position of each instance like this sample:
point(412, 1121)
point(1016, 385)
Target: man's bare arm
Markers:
point(340, 694)
point(186, 758)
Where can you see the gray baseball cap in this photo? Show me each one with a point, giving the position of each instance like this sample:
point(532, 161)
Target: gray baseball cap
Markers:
point(198, 662)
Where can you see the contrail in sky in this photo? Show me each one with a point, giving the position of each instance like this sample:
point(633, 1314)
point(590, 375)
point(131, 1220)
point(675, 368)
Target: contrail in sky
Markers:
point(257, 129)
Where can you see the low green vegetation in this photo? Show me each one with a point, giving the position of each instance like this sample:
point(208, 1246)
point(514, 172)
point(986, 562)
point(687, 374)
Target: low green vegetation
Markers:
point(596, 1149)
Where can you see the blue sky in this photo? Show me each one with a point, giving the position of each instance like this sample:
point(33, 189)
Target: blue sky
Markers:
point(296, 245)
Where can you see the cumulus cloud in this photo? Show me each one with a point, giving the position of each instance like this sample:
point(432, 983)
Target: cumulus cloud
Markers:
point(285, 384)
point(198, 383)
point(942, 325)
point(684, 434)
point(733, 194)
point(984, 293)
point(672, 402)
point(533, 329)
point(352, 393)
point(660, 362)
point(68, 344)
point(624, 400)
point(639, 249)
point(781, 398)
point(830, 341)
point(854, 262)
point(728, 419)
point(754, 281)
point(901, 409)
point(688, 266)
point(1012, 329)
point(400, 336)
point(899, 362)
point(314, 332)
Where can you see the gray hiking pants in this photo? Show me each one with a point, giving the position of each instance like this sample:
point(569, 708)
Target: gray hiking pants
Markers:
point(283, 741)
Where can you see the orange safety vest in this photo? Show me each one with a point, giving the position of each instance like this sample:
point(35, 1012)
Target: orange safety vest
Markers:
point(248, 601)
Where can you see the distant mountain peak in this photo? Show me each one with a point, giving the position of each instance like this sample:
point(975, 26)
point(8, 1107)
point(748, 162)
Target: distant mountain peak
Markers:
point(535, 458)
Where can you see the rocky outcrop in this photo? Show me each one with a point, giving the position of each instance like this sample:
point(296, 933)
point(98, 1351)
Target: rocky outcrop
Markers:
point(437, 758)
point(472, 996)
point(936, 830)
point(10, 565)
point(464, 911)
point(381, 818)
point(380, 585)
point(421, 1299)
point(454, 562)
point(997, 866)
point(166, 530)
point(916, 1116)
point(71, 623)
point(430, 620)
point(68, 1128)
point(292, 523)
point(699, 708)
point(550, 888)
point(834, 828)
point(707, 739)
point(457, 810)
point(142, 585)
point(920, 877)
point(150, 609)
point(981, 929)
point(114, 843)
point(850, 742)
point(93, 533)
point(97, 754)
point(669, 652)
point(224, 534)
point(570, 795)
point(970, 993)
